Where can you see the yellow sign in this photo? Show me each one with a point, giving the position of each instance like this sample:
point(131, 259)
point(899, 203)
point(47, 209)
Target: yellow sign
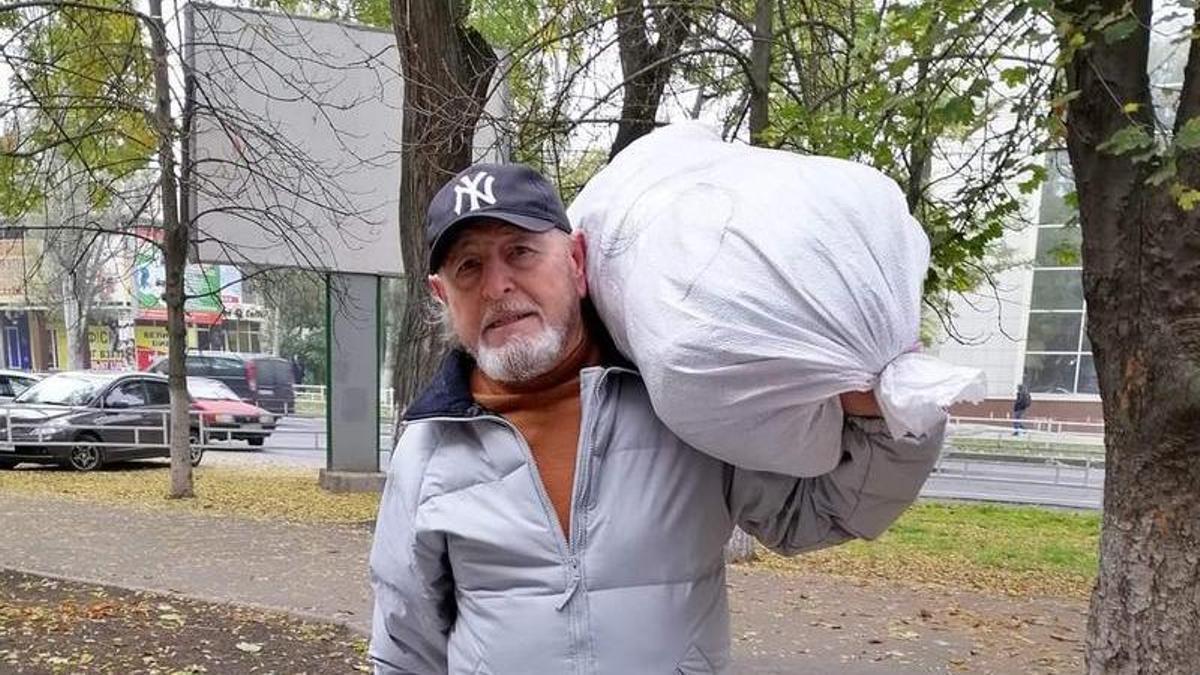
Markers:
point(152, 342)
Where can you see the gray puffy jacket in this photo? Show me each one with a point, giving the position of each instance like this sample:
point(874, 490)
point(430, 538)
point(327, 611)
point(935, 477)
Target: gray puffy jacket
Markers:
point(472, 573)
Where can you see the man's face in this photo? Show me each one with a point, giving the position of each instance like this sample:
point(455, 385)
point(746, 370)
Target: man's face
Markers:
point(513, 297)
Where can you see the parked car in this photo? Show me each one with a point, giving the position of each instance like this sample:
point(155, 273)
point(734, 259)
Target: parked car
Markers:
point(13, 382)
point(71, 418)
point(265, 381)
point(226, 416)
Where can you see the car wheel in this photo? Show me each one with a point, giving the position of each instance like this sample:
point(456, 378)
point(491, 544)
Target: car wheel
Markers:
point(195, 448)
point(256, 441)
point(85, 455)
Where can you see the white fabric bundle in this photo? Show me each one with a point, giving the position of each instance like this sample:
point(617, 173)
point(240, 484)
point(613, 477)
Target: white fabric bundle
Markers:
point(753, 286)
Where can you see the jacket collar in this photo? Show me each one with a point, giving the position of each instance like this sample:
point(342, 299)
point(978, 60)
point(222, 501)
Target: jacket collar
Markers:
point(449, 393)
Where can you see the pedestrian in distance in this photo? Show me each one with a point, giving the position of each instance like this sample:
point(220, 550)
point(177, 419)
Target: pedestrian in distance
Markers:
point(1020, 406)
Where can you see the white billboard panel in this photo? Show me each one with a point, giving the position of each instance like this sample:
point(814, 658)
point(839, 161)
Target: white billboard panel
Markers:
point(295, 144)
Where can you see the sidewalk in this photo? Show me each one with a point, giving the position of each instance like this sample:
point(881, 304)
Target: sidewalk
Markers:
point(782, 623)
point(317, 571)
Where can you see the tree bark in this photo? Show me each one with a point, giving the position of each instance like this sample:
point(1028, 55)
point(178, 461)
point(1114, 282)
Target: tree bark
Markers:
point(175, 254)
point(760, 60)
point(1141, 277)
point(447, 69)
point(79, 355)
point(646, 66)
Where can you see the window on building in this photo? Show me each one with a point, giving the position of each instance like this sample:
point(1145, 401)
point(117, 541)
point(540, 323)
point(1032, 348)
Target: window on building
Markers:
point(1058, 358)
point(52, 359)
point(243, 336)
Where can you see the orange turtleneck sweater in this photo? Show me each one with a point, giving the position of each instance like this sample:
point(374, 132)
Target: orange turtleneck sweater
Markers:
point(547, 412)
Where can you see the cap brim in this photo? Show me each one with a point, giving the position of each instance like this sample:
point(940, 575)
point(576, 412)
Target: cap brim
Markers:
point(442, 244)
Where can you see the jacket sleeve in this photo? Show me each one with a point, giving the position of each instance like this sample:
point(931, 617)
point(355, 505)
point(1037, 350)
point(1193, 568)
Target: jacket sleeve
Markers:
point(877, 478)
point(410, 575)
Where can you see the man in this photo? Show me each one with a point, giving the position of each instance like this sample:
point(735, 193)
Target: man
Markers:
point(1020, 406)
point(538, 517)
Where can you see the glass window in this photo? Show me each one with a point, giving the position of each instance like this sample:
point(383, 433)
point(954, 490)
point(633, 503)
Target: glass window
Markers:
point(157, 393)
point(1088, 382)
point(1059, 184)
point(64, 389)
point(1050, 373)
point(129, 394)
point(5, 387)
point(1054, 331)
point(18, 385)
point(196, 365)
point(225, 367)
point(1057, 289)
point(203, 389)
point(1058, 247)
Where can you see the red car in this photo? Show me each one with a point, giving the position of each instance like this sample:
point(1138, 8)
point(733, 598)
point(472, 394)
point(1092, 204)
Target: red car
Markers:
point(224, 416)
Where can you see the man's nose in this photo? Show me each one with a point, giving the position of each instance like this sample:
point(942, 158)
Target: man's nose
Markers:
point(497, 280)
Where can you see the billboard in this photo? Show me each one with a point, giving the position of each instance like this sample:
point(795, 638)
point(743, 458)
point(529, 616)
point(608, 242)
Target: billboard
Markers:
point(295, 145)
point(211, 289)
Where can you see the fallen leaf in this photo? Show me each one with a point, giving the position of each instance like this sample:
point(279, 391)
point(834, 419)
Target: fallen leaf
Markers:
point(251, 647)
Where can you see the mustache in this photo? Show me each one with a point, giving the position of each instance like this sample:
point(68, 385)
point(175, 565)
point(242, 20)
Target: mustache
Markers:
point(507, 311)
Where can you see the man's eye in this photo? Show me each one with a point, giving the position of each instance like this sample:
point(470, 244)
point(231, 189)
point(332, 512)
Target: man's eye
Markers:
point(466, 267)
point(521, 251)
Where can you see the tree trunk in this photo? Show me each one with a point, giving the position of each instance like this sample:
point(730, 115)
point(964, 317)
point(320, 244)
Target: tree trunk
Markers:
point(760, 59)
point(175, 253)
point(645, 66)
point(79, 355)
point(447, 69)
point(1141, 277)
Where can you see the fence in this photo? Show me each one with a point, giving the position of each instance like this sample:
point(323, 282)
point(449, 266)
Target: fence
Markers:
point(1049, 462)
point(310, 401)
point(51, 432)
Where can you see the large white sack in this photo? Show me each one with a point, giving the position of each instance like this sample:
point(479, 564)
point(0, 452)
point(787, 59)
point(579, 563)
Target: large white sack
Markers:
point(752, 286)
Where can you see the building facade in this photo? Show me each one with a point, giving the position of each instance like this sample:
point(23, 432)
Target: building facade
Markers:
point(1030, 326)
point(127, 326)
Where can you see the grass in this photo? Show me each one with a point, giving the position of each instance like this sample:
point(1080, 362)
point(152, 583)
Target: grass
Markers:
point(1004, 549)
point(1026, 447)
point(266, 494)
point(1024, 551)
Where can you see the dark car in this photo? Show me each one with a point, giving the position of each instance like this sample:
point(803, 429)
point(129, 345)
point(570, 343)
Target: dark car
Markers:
point(13, 382)
point(85, 419)
point(225, 416)
point(265, 381)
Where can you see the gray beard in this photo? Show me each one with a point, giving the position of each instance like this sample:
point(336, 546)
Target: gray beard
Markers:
point(523, 358)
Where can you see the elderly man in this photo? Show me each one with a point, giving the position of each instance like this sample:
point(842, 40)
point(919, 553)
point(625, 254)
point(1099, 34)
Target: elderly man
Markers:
point(538, 517)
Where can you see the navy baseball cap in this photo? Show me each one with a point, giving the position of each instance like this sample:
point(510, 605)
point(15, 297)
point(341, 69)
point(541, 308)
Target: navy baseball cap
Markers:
point(511, 193)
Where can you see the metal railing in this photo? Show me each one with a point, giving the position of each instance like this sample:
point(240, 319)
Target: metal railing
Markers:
point(1044, 461)
point(310, 401)
point(30, 430)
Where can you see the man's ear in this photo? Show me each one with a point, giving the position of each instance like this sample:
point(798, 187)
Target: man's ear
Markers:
point(437, 288)
point(579, 262)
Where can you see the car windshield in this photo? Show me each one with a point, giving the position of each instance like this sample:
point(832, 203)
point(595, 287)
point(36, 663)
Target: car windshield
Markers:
point(210, 390)
point(61, 390)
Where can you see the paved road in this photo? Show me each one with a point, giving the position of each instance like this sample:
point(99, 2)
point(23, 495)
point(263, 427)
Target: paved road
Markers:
point(300, 441)
point(1017, 482)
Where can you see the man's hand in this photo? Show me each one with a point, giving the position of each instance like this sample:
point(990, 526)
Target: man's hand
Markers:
point(860, 404)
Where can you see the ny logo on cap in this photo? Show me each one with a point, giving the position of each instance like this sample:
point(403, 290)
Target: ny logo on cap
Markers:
point(468, 186)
